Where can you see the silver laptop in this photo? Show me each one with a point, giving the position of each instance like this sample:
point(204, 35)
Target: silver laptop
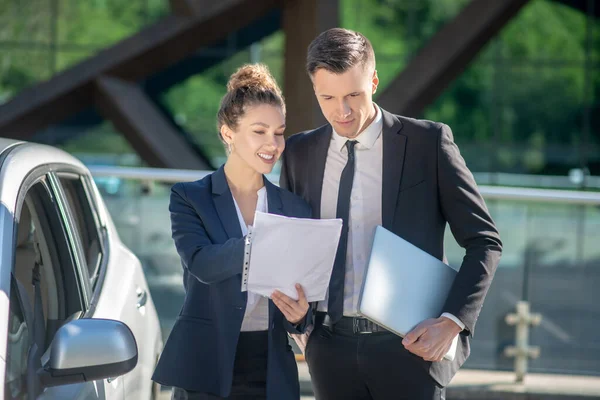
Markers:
point(403, 285)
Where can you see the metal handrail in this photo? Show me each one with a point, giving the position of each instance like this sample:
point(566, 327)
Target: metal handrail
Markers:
point(489, 192)
point(149, 174)
point(540, 195)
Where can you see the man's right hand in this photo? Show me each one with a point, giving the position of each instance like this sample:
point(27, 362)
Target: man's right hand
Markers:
point(432, 338)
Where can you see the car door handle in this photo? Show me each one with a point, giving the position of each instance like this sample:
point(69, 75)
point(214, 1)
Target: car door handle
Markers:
point(142, 297)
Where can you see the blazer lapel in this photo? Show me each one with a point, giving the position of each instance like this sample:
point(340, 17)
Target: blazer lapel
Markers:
point(316, 167)
point(394, 147)
point(274, 203)
point(224, 204)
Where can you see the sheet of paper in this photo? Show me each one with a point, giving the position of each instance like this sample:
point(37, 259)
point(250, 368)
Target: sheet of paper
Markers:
point(286, 251)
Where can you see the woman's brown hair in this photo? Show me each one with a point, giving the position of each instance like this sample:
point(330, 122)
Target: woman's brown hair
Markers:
point(250, 85)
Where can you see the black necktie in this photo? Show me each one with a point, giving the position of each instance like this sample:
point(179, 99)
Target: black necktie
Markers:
point(335, 306)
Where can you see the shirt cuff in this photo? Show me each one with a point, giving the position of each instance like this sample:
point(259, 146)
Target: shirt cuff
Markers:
point(456, 320)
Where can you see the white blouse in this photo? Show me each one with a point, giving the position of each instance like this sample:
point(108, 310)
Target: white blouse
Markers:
point(256, 317)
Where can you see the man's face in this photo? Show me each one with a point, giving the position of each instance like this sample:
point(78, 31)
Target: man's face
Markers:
point(346, 100)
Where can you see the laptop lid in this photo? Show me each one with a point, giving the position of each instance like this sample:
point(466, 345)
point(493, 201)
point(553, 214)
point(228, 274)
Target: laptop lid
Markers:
point(403, 285)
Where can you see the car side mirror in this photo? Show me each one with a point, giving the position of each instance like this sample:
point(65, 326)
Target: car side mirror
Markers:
point(88, 350)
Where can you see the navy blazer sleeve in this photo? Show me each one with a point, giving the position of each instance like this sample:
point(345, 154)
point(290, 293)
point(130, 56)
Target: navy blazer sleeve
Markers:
point(302, 325)
point(208, 262)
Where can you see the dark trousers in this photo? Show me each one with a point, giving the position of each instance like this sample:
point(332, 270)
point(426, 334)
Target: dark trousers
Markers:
point(366, 366)
point(249, 371)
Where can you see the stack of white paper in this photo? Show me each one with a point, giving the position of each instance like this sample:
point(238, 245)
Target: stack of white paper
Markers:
point(286, 251)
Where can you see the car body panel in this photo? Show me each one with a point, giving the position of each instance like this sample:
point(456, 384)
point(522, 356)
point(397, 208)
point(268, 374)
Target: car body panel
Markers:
point(123, 280)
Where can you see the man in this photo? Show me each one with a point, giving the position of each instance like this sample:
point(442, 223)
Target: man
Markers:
point(370, 167)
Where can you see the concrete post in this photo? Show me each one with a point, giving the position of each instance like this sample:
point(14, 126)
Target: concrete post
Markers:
point(522, 351)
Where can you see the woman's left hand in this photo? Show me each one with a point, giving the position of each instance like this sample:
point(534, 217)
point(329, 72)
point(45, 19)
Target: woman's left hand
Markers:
point(293, 310)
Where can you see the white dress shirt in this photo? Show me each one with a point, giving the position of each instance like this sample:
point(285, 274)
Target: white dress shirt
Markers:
point(365, 204)
point(256, 317)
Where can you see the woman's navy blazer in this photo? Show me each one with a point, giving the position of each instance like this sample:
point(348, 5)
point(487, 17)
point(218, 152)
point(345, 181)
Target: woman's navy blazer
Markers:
point(200, 352)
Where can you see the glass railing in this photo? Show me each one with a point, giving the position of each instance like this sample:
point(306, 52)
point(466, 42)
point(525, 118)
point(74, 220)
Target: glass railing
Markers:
point(551, 258)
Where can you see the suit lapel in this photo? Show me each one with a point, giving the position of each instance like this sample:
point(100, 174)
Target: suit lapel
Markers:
point(316, 167)
point(224, 204)
point(274, 203)
point(394, 147)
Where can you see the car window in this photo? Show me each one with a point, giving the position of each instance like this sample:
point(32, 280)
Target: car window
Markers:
point(41, 240)
point(15, 386)
point(86, 220)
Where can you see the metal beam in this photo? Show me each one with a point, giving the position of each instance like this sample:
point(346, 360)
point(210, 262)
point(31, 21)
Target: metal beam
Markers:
point(211, 55)
point(152, 136)
point(446, 55)
point(189, 7)
point(183, 7)
point(152, 49)
point(155, 85)
point(303, 20)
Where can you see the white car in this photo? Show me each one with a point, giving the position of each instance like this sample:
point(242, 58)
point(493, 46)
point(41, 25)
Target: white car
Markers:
point(76, 317)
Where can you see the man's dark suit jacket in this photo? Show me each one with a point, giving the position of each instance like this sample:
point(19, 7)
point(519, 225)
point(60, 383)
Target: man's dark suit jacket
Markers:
point(199, 354)
point(426, 183)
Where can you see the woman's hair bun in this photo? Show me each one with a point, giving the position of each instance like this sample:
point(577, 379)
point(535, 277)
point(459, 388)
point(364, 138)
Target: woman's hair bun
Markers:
point(250, 85)
point(253, 76)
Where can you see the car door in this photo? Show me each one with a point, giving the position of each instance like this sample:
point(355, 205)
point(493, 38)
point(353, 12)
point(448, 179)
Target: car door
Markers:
point(88, 242)
point(44, 244)
point(117, 283)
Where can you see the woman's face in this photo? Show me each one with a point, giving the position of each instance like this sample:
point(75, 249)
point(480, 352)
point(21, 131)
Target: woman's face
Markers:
point(258, 139)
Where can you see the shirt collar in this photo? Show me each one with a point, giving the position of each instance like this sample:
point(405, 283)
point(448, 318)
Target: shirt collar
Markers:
point(367, 137)
point(262, 203)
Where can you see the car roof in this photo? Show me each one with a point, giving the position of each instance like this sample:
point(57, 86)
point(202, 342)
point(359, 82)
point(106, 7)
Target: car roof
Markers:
point(18, 159)
point(7, 143)
point(33, 155)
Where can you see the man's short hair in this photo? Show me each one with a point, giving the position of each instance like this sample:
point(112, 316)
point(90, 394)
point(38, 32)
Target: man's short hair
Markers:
point(337, 50)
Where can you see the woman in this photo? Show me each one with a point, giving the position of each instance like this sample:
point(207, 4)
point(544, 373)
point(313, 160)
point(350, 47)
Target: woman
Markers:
point(227, 343)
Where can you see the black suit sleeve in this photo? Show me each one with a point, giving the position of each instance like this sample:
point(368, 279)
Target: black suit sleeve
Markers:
point(472, 227)
point(284, 182)
point(208, 262)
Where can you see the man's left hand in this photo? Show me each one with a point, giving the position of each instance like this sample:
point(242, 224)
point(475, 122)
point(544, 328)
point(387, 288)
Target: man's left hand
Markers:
point(432, 338)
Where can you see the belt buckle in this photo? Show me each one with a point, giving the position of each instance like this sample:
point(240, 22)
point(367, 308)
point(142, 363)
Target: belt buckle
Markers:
point(357, 326)
point(355, 329)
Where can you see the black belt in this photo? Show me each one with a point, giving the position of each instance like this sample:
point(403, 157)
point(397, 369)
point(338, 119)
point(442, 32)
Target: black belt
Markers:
point(349, 324)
